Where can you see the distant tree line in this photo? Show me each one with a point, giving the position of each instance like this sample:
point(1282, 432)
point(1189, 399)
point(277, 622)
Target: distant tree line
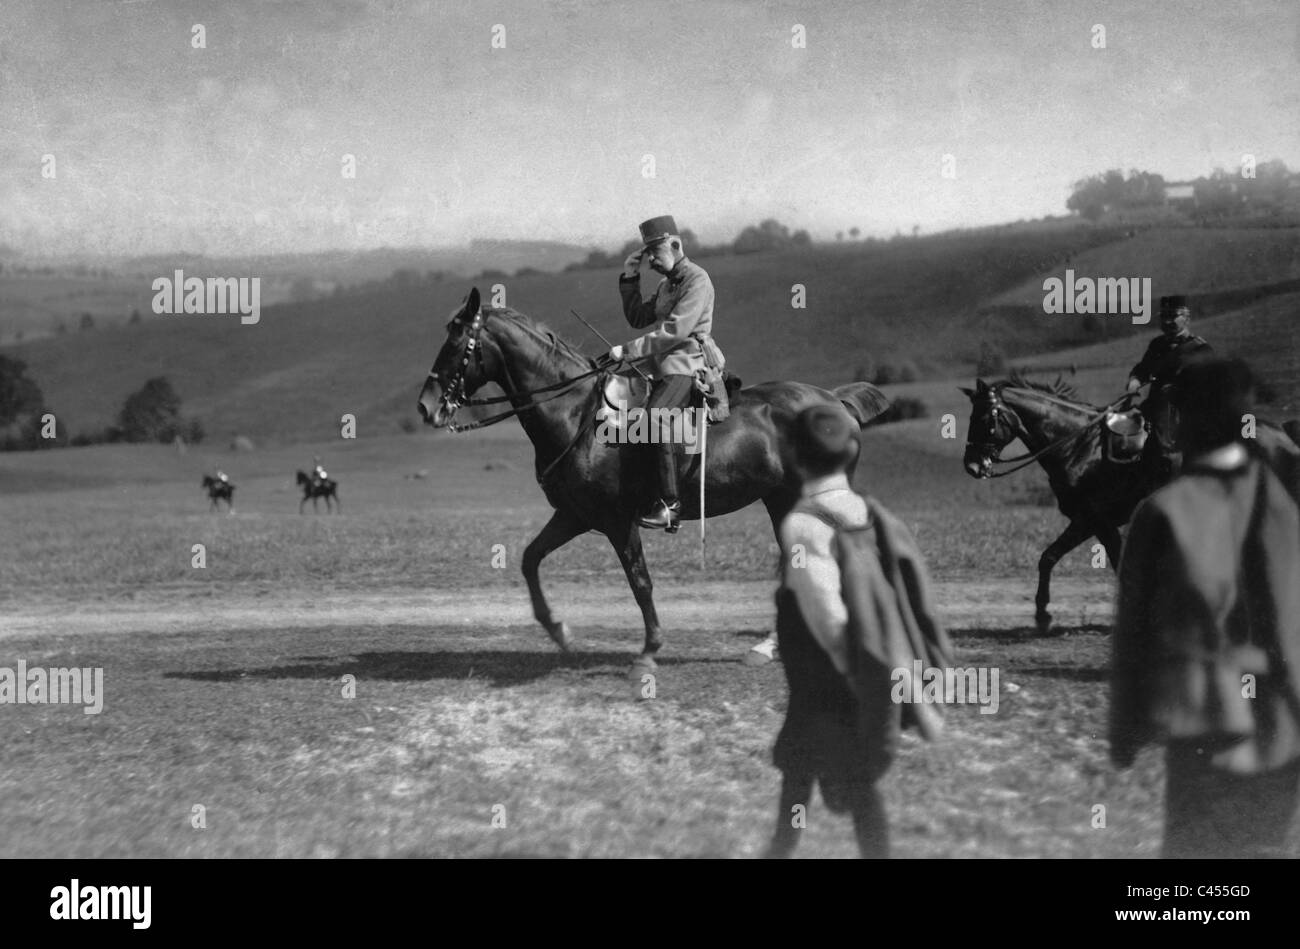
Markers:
point(1222, 194)
point(151, 414)
point(767, 235)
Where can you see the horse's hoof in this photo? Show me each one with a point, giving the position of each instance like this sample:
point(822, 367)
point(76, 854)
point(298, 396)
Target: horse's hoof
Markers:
point(560, 633)
point(642, 665)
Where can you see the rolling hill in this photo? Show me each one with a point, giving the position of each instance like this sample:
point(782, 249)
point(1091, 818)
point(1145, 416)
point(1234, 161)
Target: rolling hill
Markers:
point(930, 301)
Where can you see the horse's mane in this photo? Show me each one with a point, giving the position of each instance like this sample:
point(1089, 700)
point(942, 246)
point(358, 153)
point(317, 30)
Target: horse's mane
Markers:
point(542, 332)
point(1057, 387)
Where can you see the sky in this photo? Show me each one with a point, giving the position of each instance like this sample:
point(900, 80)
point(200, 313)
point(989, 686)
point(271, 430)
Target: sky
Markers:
point(239, 147)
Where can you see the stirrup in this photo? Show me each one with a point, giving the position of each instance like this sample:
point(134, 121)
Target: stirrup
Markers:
point(663, 516)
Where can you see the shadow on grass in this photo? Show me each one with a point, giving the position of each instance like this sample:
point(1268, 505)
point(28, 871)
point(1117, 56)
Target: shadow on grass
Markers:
point(1071, 673)
point(1020, 634)
point(500, 668)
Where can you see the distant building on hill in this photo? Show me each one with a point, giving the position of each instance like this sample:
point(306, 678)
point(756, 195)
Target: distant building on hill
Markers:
point(1180, 194)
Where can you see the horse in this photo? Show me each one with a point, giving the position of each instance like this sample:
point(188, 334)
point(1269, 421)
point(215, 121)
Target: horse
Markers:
point(219, 490)
point(1063, 434)
point(592, 485)
point(315, 490)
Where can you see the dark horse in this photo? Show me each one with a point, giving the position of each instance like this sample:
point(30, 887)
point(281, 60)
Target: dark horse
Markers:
point(1097, 495)
point(219, 490)
point(315, 490)
point(602, 487)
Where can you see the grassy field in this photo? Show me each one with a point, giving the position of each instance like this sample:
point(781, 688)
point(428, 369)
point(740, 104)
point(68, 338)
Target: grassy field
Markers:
point(224, 686)
point(122, 517)
point(449, 723)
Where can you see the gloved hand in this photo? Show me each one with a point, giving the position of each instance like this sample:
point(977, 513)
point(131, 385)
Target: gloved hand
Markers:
point(611, 358)
point(632, 266)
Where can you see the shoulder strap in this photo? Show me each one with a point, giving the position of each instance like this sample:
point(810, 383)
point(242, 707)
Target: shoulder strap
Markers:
point(1251, 562)
point(837, 521)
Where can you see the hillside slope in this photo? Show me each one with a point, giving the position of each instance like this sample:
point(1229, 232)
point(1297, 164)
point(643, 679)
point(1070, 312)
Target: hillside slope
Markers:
point(1190, 261)
point(291, 377)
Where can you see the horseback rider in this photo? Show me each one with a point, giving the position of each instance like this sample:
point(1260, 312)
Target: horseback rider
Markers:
point(221, 476)
point(1165, 358)
point(682, 305)
point(319, 475)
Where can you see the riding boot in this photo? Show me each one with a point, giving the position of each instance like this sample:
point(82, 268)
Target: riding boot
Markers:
point(665, 512)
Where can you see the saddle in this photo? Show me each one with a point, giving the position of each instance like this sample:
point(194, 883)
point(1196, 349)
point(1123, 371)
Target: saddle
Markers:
point(1125, 437)
point(630, 391)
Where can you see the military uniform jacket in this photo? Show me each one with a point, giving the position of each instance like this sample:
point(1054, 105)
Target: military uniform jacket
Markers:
point(682, 305)
point(1209, 592)
point(1165, 357)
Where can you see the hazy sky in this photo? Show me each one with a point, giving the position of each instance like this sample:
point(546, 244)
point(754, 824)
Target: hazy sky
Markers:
point(237, 147)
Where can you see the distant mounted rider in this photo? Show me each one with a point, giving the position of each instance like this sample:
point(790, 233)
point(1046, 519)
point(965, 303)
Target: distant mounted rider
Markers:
point(1166, 356)
point(318, 474)
point(682, 305)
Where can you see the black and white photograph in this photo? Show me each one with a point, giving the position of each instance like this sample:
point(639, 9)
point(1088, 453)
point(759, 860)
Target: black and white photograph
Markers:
point(674, 430)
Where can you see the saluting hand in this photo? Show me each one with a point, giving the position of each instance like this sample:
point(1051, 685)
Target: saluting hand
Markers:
point(632, 266)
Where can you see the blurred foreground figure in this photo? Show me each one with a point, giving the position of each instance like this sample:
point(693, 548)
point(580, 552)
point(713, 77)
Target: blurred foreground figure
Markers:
point(853, 607)
point(1207, 633)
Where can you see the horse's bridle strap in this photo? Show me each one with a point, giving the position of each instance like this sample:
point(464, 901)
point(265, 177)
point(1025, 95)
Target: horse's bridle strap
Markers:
point(453, 390)
point(1030, 457)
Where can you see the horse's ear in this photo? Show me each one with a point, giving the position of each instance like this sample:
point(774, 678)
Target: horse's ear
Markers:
point(969, 393)
point(981, 385)
point(472, 303)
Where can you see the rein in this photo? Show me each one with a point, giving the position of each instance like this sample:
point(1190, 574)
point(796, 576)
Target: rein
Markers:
point(453, 391)
point(1029, 458)
point(453, 395)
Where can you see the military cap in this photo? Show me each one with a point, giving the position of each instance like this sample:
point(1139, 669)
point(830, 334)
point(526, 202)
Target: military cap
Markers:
point(1173, 304)
point(657, 229)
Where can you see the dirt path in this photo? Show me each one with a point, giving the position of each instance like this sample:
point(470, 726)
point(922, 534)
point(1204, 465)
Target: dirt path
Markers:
point(736, 605)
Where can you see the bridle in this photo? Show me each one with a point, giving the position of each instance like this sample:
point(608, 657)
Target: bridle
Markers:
point(997, 409)
point(1017, 427)
point(454, 396)
point(453, 390)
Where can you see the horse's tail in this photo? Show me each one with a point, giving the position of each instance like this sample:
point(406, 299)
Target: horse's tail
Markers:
point(863, 400)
